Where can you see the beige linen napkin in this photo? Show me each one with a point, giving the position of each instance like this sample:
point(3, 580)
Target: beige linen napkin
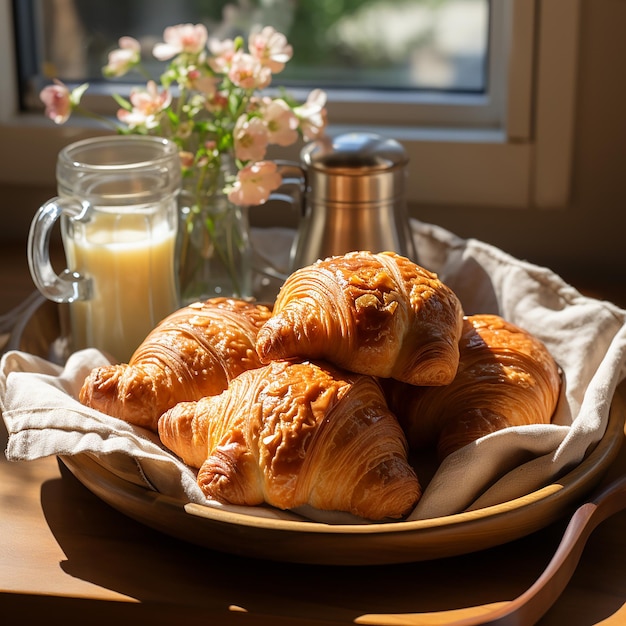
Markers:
point(586, 336)
point(44, 418)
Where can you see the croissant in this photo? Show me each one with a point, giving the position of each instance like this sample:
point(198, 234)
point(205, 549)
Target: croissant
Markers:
point(192, 353)
point(506, 377)
point(290, 434)
point(377, 314)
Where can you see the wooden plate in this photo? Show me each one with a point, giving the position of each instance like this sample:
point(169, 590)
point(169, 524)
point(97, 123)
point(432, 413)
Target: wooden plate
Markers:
point(317, 543)
point(369, 544)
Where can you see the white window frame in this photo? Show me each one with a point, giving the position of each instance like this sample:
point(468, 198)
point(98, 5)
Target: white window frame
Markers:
point(512, 149)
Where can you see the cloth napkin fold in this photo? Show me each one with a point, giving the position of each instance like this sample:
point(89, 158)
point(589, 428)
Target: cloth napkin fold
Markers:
point(587, 337)
point(44, 418)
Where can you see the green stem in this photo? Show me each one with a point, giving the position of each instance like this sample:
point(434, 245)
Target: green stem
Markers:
point(100, 118)
point(224, 246)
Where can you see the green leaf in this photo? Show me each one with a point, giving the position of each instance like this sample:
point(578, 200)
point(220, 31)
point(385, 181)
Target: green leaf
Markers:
point(77, 94)
point(173, 117)
point(125, 104)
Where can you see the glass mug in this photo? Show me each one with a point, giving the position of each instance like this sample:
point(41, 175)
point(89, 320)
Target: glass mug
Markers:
point(117, 205)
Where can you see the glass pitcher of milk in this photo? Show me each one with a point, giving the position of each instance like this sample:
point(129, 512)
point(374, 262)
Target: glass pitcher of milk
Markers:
point(117, 205)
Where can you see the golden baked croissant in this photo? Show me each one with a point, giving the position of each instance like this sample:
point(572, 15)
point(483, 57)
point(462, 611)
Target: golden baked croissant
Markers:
point(192, 353)
point(377, 314)
point(506, 377)
point(291, 434)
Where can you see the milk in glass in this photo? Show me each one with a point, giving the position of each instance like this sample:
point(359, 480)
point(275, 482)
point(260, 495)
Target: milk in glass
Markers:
point(130, 261)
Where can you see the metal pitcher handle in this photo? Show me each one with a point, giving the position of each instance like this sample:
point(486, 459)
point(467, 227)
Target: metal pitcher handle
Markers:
point(294, 178)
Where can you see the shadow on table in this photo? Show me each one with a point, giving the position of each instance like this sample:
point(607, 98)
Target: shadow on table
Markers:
point(108, 549)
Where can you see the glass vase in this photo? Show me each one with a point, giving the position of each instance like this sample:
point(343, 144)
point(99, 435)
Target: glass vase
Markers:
point(214, 256)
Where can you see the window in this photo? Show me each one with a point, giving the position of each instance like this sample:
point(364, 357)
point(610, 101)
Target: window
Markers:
point(480, 92)
point(372, 44)
point(412, 52)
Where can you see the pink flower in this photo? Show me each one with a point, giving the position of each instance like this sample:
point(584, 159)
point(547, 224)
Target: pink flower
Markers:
point(123, 58)
point(217, 111)
point(188, 38)
point(223, 53)
point(217, 102)
point(186, 159)
point(256, 103)
point(270, 47)
point(281, 123)
point(147, 104)
point(250, 138)
point(185, 130)
point(56, 98)
point(246, 72)
point(254, 183)
point(312, 114)
point(199, 81)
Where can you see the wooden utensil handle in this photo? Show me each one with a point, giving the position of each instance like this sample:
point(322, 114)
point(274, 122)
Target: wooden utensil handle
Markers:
point(529, 607)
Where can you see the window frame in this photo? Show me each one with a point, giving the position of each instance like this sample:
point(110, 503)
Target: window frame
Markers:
point(512, 149)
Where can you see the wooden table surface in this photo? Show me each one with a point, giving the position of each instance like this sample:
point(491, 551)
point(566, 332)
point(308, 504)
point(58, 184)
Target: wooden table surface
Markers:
point(67, 557)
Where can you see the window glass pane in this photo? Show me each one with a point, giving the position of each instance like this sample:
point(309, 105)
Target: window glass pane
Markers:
point(381, 44)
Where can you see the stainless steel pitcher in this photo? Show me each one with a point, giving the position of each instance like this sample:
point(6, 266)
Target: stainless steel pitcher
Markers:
point(354, 198)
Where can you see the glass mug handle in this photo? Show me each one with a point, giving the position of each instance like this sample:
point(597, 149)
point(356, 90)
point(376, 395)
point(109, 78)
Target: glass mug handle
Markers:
point(67, 286)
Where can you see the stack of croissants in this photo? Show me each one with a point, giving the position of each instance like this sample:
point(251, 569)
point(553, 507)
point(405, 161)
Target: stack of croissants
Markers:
point(363, 360)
